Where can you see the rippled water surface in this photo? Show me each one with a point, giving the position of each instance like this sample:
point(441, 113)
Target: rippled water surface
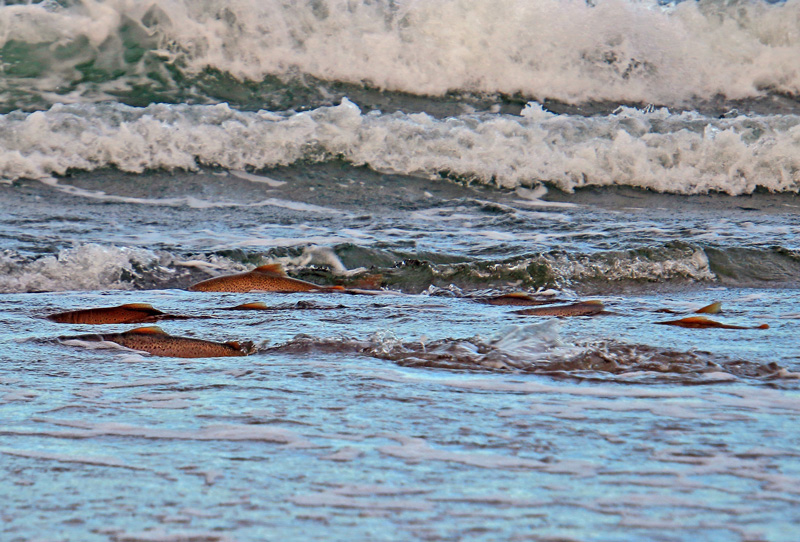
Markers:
point(327, 441)
point(427, 162)
point(417, 413)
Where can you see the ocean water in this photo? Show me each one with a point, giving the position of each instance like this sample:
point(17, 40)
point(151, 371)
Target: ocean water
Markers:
point(425, 155)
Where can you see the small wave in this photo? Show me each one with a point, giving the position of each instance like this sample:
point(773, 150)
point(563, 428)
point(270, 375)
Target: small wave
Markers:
point(672, 263)
point(501, 353)
point(747, 267)
point(95, 267)
point(89, 267)
point(538, 349)
point(100, 267)
point(92, 266)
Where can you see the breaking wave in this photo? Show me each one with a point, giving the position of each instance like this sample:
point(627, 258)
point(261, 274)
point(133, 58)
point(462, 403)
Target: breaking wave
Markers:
point(686, 153)
point(249, 51)
point(100, 267)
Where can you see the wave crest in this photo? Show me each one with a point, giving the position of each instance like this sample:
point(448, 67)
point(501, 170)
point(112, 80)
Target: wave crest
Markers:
point(573, 51)
point(685, 153)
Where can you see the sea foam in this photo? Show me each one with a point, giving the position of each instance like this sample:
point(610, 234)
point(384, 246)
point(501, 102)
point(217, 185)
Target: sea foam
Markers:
point(685, 153)
point(571, 50)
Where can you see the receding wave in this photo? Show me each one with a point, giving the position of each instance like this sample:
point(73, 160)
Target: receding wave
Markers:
point(248, 51)
point(685, 153)
point(100, 267)
point(537, 348)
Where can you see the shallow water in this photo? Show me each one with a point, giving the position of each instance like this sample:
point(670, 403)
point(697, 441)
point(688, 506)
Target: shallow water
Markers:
point(332, 443)
point(641, 154)
point(399, 415)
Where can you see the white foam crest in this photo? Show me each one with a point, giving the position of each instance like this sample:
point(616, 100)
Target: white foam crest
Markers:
point(92, 267)
point(63, 37)
point(41, 144)
point(686, 153)
point(43, 22)
point(689, 263)
point(86, 267)
point(566, 49)
point(654, 149)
